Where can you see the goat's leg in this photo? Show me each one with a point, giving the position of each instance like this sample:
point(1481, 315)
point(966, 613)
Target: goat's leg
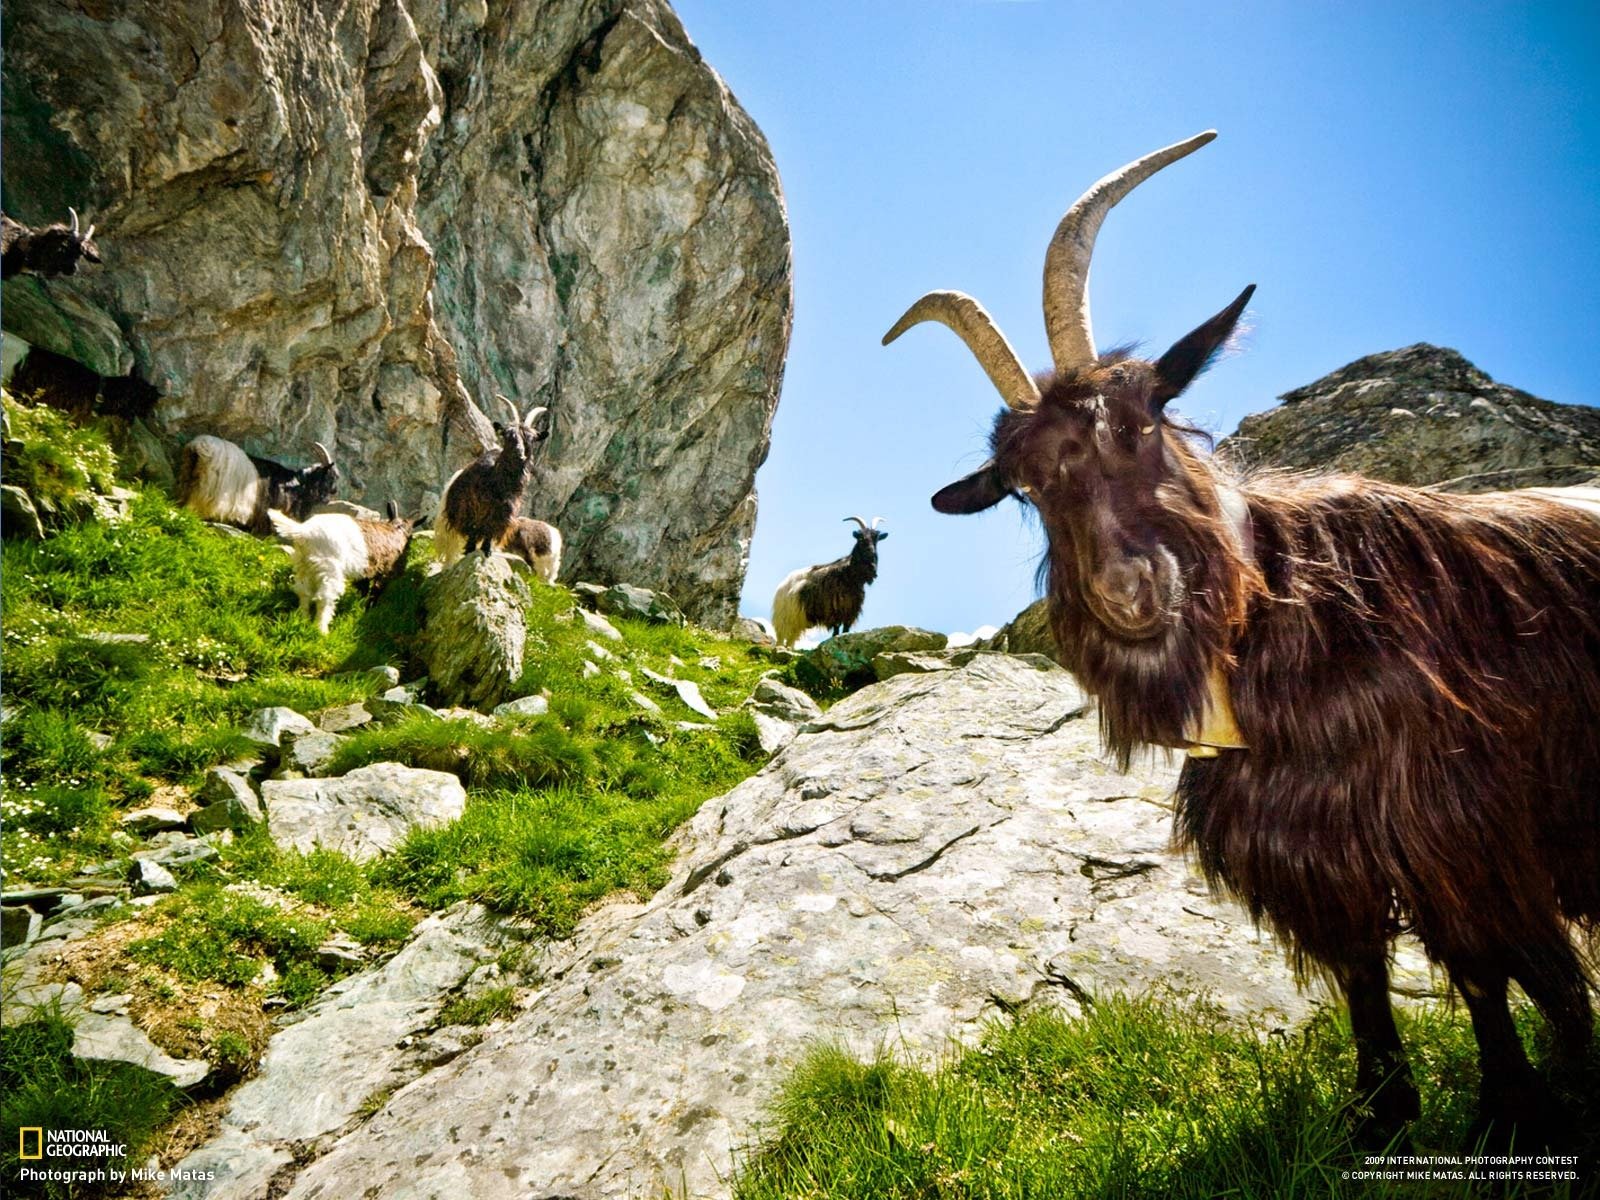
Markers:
point(1553, 977)
point(1509, 1091)
point(1382, 1074)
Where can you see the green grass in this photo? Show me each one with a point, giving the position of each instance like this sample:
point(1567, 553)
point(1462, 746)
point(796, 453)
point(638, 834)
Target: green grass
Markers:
point(487, 1006)
point(1140, 1098)
point(43, 1085)
point(60, 465)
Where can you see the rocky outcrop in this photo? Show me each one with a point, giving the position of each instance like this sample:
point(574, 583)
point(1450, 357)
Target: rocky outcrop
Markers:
point(1424, 415)
point(363, 814)
point(932, 853)
point(335, 222)
point(475, 630)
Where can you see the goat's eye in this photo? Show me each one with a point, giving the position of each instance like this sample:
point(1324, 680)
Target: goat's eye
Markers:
point(1147, 430)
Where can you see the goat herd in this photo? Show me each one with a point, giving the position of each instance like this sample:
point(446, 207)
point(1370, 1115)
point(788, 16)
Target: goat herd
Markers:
point(220, 482)
point(1386, 696)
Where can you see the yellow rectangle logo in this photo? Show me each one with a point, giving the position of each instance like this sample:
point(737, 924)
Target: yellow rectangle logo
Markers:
point(38, 1142)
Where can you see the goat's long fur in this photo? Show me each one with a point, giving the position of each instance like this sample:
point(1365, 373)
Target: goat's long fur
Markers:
point(331, 551)
point(481, 499)
point(536, 543)
point(220, 482)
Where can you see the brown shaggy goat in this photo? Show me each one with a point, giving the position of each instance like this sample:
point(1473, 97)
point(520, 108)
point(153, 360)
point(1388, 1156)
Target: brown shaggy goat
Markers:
point(1387, 695)
point(480, 499)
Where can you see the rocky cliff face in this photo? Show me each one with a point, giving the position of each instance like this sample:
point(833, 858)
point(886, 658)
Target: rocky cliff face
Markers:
point(1424, 415)
point(337, 221)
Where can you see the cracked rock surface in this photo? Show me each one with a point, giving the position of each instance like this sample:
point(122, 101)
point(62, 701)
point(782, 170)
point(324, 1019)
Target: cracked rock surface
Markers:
point(931, 853)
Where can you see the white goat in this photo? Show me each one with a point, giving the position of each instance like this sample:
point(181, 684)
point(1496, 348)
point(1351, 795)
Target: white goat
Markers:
point(330, 550)
point(220, 482)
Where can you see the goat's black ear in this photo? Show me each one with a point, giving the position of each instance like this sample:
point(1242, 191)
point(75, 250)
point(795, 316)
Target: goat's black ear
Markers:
point(1193, 352)
point(881, 534)
point(982, 489)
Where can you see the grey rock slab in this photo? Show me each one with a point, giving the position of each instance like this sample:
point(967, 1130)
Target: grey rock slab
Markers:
point(599, 626)
point(266, 726)
point(307, 754)
point(363, 814)
point(148, 877)
point(230, 803)
point(316, 1074)
point(152, 820)
point(778, 699)
point(474, 631)
point(112, 1038)
point(346, 716)
point(27, 998)
point(525, 706)
point(686, 690)
point(940, 848)
point(750, 629)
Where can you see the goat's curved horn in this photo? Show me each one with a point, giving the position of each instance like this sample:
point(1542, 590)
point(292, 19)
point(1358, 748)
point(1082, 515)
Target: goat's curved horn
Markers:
point(533, 415)
point(860, 522)
point(89, 237)
point(510, 408)
point(73, 213)
point(974, 326)
point(322, 452)
point(876, 521)
point(1066, 262)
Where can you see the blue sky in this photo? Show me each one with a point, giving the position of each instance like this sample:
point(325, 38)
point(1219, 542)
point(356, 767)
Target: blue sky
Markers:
point(1386, 173)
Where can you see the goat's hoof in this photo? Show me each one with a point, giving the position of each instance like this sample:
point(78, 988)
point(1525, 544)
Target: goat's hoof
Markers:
point(1524, 1112)
point(1385, 1112)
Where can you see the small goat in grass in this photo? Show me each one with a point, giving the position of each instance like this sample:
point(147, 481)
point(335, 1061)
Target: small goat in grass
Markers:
point(828, 594)
point(331, 551)
point(220, 482)
point(52, 250)
point(1387, 695)
point(536, 543)
point(481, 499)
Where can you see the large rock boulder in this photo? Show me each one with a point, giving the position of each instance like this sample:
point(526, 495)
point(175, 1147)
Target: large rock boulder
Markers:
point(931, 854)
point(1424, 415)
point(474, 631)
point(337, 222)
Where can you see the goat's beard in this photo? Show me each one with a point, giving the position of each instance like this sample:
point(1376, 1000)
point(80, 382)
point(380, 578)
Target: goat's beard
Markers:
point(1152, 688)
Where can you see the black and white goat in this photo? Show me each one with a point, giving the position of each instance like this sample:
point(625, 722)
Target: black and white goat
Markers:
point(536, 543)
point(220, 482)
point(829, 594)
point(481, 498)
point(53, 250)
point(331, 551)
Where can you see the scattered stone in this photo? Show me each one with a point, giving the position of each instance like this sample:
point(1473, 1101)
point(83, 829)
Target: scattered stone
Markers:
point(474, 630)
point(710, 662)
point(152, 820)
point(363, 814)
point(625, 600)
point(266, 726)
point(386, 676)
point(751, 629)
point(589, 669)
point(526, 706)
point(346, 716)
point(687, 691)
point(174, 849)
point(467, 714)
point(307, 754)
point(102, 1037)
point(100, 741)
point(778, 699)
point(71, 901)
point(599, 651)
point(149, 877)
point(36, 897)
point(399, 702)
point(67, 927)
point(340, 952)
point(599, 626)
point(644, 702)
point(230, 801)
point(29, 998)
point(18, 516)
point(110, 1005)
point(19, 925)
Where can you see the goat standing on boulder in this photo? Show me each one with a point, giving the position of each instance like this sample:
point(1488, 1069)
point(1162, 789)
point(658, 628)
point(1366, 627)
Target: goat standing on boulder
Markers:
point(331, 551)
point(220, 482)
point(829, 594)
point(53, 250)
point(481, 498)
point(1387, 695)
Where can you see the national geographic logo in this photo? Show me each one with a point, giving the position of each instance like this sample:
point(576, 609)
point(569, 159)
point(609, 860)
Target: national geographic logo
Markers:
point(37, 1143)
point(85, 1157)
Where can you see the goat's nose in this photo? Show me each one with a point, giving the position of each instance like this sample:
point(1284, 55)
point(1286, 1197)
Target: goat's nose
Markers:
point(1126, 586)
